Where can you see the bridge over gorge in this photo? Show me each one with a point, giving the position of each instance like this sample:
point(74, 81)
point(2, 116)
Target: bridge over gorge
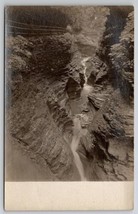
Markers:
point(18, 28)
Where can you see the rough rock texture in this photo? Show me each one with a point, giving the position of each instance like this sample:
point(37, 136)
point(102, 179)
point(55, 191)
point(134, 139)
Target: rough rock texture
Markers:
point(50, 85)
point(122, 58)
point(110, 151)
point(18, 56)
point(97, 70)
point(111, 128)
point(117, 50)
point(97, 100)
point(73, 88)
point(37, 112)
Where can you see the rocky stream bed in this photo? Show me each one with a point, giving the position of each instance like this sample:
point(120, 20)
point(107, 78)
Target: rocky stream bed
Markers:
point(69, 100)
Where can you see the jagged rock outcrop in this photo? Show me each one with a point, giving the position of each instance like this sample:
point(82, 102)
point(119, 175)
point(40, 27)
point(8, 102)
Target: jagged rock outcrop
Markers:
point(117, 50)
point(111, 142)
point(55, 80)
point(93, 68)
point(73, 88)
point(109, 153)
point(60, 116)
point(97, 70)
point(113, 29)
point(122, 58)
point(97, 100)
point(37, 119)
point(35, 130)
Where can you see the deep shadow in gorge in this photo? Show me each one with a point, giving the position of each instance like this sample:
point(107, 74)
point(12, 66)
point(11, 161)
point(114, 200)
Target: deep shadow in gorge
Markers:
point(63, 114)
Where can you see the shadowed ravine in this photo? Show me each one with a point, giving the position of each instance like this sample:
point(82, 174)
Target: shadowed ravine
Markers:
point(69, 94)
point(78, 131)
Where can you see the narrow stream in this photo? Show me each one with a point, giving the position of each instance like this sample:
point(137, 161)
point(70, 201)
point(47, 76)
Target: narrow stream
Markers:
point(83, 62)
point(74, 145)
point(78, 131)
point(86, 88)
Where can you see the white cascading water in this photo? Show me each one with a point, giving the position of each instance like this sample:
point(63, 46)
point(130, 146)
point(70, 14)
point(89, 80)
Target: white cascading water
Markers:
point(74, 145)
point(86, 88)
point(78, 131)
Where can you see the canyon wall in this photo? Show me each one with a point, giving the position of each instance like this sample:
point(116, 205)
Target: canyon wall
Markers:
point(37, 116)
point(85, 74)
point(110, 151)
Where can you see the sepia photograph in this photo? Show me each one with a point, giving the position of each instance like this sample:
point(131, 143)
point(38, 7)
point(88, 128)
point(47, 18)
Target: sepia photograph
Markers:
point(69, 93)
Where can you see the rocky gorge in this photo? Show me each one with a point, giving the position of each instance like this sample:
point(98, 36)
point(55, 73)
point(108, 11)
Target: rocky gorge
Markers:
point(69, 94)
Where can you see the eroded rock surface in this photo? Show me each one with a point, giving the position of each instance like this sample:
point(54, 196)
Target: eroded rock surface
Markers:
point(69, 98)
point(110, 149)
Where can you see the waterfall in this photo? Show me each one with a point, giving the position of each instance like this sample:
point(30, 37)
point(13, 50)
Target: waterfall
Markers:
point(74, 145)
point(83, 62)
point(78, 132)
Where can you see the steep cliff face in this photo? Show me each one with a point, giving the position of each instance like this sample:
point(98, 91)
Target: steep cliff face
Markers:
point(122, 59)
point(37, 117)
point(117, 49)
point(110, 150)
point(69, 97)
